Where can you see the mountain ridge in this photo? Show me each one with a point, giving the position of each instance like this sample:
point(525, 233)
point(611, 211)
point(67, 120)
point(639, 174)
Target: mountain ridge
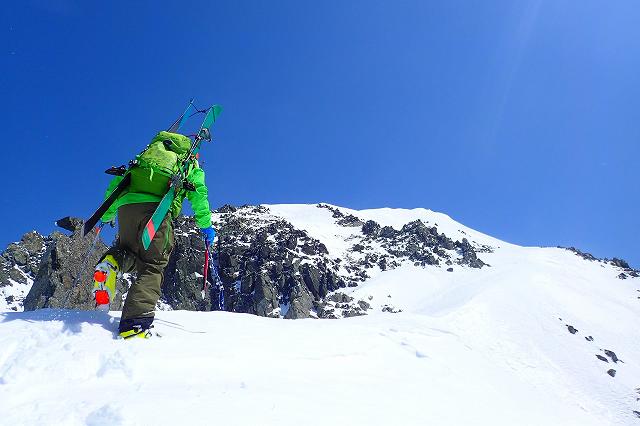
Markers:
point(250, 239)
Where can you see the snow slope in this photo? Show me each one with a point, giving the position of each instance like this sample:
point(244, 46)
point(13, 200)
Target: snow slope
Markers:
point(470, 347)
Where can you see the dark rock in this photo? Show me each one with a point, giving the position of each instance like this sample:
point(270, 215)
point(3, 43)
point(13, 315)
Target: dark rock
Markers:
point(612, 372)
point(265, 298)
point(611, 355)
point(586, 256)
point(622, 276)
point(327, 313)
point(339, 298)
point(337, 214)
point(449, 269)
point(311, 278)
point(391, 309)
point(589, 338)
point(69, 223)
point(382, 264)
point(18, 253)
point(350, 221)
point(347, 220)
point(358, 248)
point(227, 208)
point(291, 242)
point(348, 313)
point(301, 303)
point(601, 358)
point(371, 228)
point(420, 230)
point(307, 249)
point(321, 248)
point(469, 256)
point(637, 413)
point(364, 305)
point(571, 329)
point(388, 232)
point(64, 272)
point(620, 263)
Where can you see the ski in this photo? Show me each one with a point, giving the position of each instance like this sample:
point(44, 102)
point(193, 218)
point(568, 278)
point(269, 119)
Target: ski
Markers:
point(177, 181)
point(175, 127)
point(171, 324)
point(95, 217)
point(122, 171)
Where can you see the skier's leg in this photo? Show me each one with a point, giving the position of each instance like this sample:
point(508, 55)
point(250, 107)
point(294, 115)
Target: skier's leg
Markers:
point(117, 259)
point(139, 307)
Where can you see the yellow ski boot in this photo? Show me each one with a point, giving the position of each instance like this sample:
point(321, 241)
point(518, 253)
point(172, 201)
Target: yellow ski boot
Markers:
point(136, 332)
point(104, 282)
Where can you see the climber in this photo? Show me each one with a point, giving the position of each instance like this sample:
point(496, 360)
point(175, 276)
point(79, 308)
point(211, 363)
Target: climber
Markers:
point(150, 177)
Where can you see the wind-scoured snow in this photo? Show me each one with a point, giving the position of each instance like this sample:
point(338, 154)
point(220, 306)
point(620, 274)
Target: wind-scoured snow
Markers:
point(527, 341)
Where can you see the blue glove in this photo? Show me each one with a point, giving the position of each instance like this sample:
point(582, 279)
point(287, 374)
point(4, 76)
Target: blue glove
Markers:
point(209, 235)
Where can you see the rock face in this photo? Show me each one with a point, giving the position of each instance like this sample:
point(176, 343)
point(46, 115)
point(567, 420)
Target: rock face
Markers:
point(267, 267)
point(19, 264)
point(65, 272)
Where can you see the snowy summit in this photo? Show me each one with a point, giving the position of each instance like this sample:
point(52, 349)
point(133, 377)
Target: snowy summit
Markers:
point(434, 324)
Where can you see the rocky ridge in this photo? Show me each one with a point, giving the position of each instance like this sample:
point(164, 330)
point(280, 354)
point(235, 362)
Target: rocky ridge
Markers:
point(267, 266)
point(626, 271)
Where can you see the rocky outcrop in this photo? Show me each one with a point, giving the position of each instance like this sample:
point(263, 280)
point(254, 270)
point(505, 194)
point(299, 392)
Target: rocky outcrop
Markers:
point(266, 266)
point(269, 268)
point(418, 243)
point(65, 269)
point(19, 265)
point(621, 264)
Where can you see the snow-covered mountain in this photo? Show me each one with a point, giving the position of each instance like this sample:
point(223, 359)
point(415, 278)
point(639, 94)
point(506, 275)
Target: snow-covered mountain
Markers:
point(460, 329)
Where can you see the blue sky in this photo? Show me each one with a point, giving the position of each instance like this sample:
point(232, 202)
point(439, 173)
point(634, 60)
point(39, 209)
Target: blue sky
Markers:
point(518, 118)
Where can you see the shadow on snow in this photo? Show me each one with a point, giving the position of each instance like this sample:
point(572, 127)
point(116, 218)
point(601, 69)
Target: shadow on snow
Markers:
point(72, 320)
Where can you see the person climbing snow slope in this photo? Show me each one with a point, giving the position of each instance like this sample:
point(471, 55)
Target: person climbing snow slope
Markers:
point(150, 178)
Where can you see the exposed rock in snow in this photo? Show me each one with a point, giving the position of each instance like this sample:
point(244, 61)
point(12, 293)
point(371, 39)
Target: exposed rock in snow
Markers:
point(281, 260)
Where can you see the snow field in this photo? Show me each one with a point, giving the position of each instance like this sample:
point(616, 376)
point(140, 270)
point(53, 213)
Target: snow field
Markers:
point(64, 367)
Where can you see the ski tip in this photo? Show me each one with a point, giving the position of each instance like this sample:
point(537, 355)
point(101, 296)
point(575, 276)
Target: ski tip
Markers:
point(217, 109)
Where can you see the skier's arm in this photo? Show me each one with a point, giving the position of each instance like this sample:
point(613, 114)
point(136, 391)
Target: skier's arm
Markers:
point(111, 213)
point(199, 198)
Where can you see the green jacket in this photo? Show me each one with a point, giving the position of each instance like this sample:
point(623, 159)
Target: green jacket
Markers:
point(199, 199)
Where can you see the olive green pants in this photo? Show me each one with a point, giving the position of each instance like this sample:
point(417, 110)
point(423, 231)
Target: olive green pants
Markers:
point(149, 264)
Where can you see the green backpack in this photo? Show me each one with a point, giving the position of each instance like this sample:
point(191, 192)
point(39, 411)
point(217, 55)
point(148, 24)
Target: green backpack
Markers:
point(158, 162)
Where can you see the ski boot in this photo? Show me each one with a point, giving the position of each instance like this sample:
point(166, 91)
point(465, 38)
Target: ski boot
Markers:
point(136, 327)
point(137, 332)
point(104, 282)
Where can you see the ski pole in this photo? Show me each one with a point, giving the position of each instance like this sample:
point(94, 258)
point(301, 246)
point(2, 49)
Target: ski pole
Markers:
point(210, 264)
point(206, 271)
point(219, 285)
point(85, 263)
